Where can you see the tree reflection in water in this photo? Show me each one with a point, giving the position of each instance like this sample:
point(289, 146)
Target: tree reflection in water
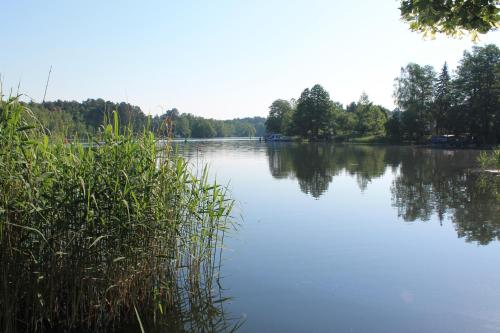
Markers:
point(442, 182)
point(315, 164)
point(426, 181)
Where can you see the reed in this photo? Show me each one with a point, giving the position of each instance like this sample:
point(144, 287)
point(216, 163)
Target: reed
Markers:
point(93, 237)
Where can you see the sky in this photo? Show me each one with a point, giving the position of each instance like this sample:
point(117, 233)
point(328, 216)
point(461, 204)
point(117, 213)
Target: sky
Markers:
point(217, 59)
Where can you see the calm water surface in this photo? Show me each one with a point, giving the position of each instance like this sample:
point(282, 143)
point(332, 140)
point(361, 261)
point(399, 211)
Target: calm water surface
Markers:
point(340, 238)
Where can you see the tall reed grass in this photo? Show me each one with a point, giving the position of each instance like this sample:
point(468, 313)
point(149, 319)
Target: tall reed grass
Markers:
point(96, 237)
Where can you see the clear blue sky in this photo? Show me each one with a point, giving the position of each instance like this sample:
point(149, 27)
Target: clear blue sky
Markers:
point(220, 59)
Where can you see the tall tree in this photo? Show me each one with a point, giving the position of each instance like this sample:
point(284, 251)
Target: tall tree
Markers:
point(280, 117)
point(312, 117)
point(370, 118)
point(413, 92)
point(393, 125)
point(476, 90)
point(442, 105)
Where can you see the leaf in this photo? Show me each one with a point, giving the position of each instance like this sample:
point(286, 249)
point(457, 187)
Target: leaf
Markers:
point(139, 320)
point(24, 128)
point(97, 240)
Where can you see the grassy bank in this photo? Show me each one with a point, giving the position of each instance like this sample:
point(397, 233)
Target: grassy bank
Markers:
point(94, 238)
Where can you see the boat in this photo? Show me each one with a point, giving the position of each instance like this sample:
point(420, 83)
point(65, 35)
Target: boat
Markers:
point(276, 137)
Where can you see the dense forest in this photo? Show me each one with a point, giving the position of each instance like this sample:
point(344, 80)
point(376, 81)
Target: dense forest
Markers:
point(465, 103)
point(71, 118)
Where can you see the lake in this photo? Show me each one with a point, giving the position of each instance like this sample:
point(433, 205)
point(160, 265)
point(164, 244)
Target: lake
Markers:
point(347, 238)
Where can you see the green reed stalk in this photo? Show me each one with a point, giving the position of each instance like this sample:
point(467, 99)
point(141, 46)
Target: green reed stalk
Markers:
point(92, 236)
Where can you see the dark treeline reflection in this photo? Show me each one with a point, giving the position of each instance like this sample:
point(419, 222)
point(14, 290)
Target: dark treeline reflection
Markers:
point(426, 181)
point(315, 165)
point(443, 183)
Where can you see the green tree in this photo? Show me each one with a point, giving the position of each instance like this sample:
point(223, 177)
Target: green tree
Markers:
point(414, 92)
point(370, 118)
point(476, 92)
point(280, 117)
point(313, 115)
point(442, 102)
point(182, 128)
point(451, 17)
point(202, 128)
point(351, 107)
point(393, 125)
point(343, 122)
point(172, 114)
point(244, 130)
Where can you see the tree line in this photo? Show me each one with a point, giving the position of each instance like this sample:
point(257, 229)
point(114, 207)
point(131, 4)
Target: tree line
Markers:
point(80, 119)
point(464, 103)
point(315, 116)
point(187, 125)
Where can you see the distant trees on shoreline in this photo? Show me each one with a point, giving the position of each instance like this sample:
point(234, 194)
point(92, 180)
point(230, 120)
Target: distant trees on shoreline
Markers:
point(187, 125)
point(465, 102)
point(315, 116)
point(71, 118)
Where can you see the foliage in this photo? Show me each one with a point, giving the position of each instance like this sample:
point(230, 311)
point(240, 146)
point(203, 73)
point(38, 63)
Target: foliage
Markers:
point(71, 118)
point(490, 160)
point(451, 17)
point(202, 128)
point(312, 117)
point(477, 97)
point(393, 126)
point(414, 95)
point(280, 117)
point(442, 102)
point(78, 120)
point(92, 235)
point(467, 104)
point(343, 123)
point(370, 118)
point(316, 117)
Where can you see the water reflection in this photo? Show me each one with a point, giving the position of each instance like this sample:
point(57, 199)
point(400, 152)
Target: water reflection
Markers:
point(195, 302)
point(315, 165)
point(443, 183)
point(426, 181)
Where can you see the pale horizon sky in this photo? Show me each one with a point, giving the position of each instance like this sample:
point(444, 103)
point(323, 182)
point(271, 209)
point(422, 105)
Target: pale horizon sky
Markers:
point(218, 59)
